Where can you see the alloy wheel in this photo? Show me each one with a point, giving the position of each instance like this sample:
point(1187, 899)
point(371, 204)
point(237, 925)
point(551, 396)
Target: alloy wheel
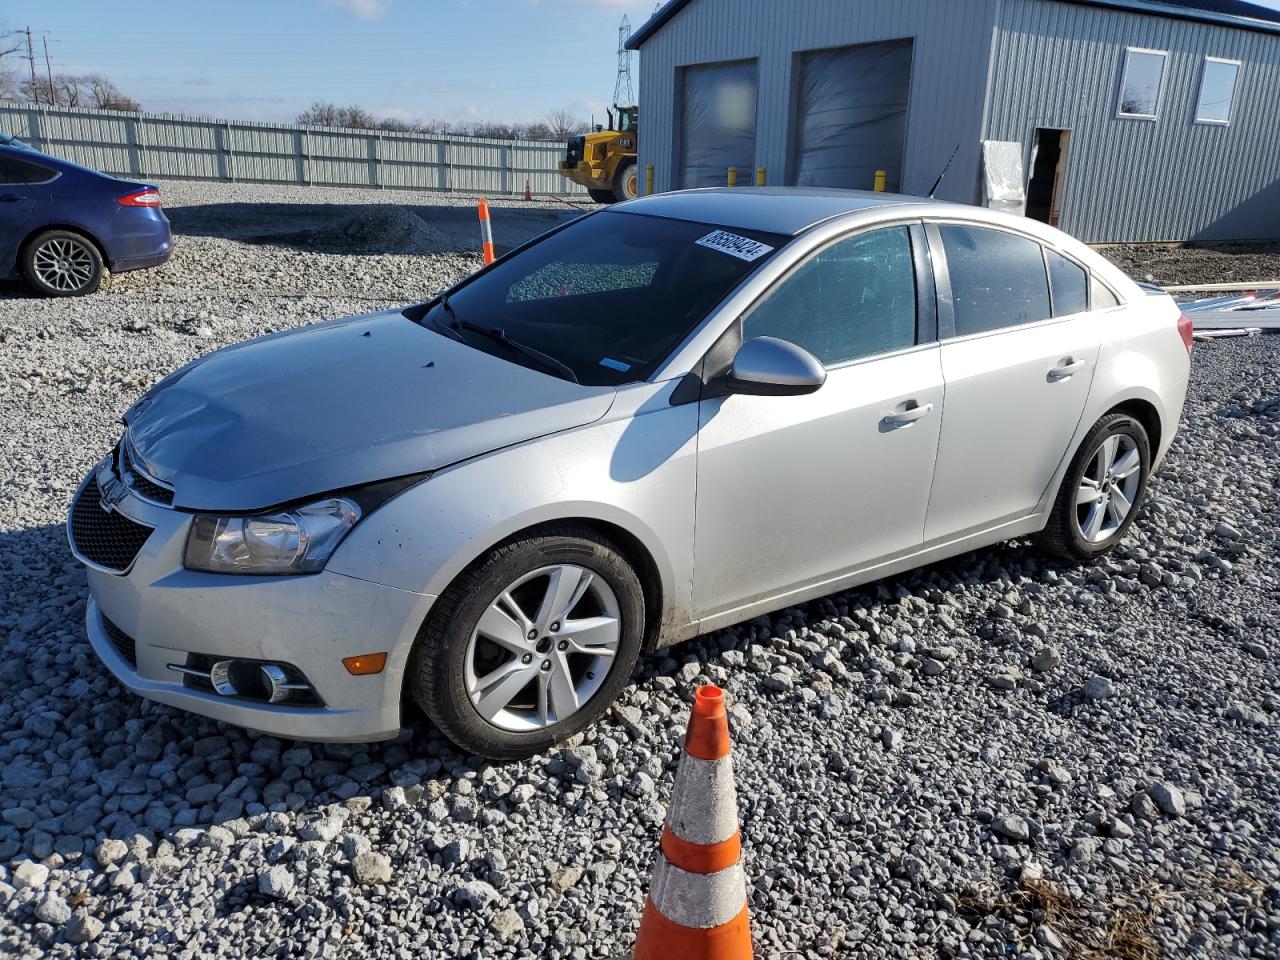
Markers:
point(542, 648)
point(63, 264)
point(1108, 488)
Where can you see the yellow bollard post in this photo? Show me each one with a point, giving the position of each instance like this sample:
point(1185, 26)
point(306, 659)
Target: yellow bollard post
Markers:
point(759, 176)
point(882, 181)
point(648, 180)
point(733, 176)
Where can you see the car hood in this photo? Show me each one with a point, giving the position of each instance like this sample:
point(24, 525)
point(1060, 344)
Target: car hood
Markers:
point(337, 405)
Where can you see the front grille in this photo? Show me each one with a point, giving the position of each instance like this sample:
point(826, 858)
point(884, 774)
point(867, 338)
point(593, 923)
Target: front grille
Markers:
point(105, 537)
point(138, 479)
point(122, 642)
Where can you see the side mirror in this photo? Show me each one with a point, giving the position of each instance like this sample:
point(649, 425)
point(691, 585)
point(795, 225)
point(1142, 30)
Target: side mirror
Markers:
point(769, 367)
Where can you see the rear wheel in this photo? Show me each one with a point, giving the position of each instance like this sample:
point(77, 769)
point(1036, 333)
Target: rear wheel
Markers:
point(626, 182)
point(1102, 491)
point(531, 644)
point(59, 263)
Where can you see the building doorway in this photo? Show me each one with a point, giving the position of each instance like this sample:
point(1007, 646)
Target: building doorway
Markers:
point(1048, 174)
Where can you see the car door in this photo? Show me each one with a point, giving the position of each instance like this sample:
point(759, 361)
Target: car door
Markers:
point(18, 199)
point(794, 491)
point(1017, 372)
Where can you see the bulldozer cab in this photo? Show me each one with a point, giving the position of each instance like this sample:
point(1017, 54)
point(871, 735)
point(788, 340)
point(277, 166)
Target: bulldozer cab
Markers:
point(628, 119)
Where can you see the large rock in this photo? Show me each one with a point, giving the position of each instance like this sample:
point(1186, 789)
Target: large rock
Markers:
point(1169, 799)
point(371, 868)
point(277, 882)
point(82, 928)
point(51, 908)
point(29, 875)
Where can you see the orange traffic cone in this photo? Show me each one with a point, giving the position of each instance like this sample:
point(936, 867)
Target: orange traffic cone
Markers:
point(528, 195)
point(697, 906)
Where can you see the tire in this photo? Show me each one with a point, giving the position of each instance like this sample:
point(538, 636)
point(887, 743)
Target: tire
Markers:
point(454, 655)
point(601, 196)
point(1081, 529)
point(626, 181)
point(60, 263)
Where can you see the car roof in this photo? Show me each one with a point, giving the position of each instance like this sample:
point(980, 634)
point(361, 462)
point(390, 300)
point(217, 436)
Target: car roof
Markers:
point(785, 210)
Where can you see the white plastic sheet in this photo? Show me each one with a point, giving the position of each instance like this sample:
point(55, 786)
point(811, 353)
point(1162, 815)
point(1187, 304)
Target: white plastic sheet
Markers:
point(852, 117)
point(1003, 182)
point(718, 124)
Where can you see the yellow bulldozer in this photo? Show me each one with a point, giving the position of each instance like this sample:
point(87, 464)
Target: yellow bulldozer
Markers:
point(605, 161)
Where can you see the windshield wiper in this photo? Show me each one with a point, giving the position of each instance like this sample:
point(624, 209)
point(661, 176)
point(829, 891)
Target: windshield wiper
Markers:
point(497, 333)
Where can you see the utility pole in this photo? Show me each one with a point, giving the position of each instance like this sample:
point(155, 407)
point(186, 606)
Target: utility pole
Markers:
point(31, 62)
point(48, 67)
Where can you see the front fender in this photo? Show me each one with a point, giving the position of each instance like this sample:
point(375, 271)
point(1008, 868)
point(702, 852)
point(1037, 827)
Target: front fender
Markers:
point(635, 469)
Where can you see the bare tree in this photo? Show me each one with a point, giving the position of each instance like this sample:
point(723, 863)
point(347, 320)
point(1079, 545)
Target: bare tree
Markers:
point(9, 48)
point(321, 114)
point(105, 95)
point(562, 123)
point(91, 90)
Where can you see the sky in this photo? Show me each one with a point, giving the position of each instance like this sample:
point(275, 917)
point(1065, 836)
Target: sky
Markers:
point(454, 60)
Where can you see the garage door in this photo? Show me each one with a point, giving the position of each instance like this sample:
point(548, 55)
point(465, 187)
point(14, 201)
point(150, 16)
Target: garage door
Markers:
point(717, 123)
point(852, 115)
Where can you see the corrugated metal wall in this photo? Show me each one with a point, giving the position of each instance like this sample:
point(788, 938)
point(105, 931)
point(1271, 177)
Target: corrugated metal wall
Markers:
point(952, 45)
point(149, 146)
point(1059, 65)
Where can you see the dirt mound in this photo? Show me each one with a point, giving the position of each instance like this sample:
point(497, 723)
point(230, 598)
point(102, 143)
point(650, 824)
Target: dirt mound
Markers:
point(369, 231)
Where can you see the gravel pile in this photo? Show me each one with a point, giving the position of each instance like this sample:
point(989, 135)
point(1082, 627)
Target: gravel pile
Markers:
point(999, 756)
point(1219, 263)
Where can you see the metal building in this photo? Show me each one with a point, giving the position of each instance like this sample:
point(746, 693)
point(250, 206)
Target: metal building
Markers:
point(1118, 120)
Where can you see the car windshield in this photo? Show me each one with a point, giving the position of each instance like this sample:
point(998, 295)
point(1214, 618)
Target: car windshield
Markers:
point(608, 297)
point(8, 141)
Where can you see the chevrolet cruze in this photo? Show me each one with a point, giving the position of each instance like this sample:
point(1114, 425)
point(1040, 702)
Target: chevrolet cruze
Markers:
point(656, 420)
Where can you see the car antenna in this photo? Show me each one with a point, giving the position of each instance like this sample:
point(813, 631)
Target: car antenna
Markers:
point(937, 183)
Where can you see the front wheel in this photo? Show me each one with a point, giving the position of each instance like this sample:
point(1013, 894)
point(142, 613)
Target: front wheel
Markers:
point(626, 182)
point(601, 196)
point(530, 645)
point(59, 263)
point(1102, 491)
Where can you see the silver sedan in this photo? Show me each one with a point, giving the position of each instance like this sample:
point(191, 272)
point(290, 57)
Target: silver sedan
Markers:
point(657, 420)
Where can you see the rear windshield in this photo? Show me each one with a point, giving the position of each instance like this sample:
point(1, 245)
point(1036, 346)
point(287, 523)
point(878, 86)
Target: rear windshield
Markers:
point(609, 296)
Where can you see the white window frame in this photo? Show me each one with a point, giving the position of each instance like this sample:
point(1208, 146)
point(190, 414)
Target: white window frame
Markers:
point(1124, 79)
point(1235, 88)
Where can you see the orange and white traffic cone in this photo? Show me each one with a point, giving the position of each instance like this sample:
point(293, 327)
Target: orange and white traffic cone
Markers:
point(697, 906)
point(528, 194)
point(486, 231)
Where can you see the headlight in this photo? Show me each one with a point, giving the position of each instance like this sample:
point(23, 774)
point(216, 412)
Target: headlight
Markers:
point(299, 540)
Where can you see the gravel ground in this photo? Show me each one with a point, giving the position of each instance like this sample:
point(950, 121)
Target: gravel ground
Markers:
point(997, 756)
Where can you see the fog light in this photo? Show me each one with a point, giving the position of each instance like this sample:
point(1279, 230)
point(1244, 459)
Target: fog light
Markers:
point(365, 664)
point(253, 679)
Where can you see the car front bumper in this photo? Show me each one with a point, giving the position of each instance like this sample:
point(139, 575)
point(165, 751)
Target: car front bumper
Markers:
point(155, 615)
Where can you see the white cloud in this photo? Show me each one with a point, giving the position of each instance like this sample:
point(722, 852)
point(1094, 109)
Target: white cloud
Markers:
point(363, 9)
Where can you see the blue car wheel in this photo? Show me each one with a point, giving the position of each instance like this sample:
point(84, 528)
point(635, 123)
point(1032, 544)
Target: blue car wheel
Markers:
point(59, 263)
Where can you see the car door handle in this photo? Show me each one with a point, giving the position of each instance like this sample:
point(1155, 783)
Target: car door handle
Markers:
point(910, 413)
point(9, 198)
point(1067, 368)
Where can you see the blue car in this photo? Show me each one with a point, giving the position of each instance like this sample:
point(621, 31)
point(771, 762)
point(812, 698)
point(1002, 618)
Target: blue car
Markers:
point(61, 223)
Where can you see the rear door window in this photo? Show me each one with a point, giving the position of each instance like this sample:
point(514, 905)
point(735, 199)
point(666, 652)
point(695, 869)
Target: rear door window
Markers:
point(1070, 284)
point(853, 299)
point(15, 171)
point(998, 279)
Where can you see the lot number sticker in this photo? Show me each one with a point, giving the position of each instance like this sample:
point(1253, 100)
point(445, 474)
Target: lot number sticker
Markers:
point(734, 245)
